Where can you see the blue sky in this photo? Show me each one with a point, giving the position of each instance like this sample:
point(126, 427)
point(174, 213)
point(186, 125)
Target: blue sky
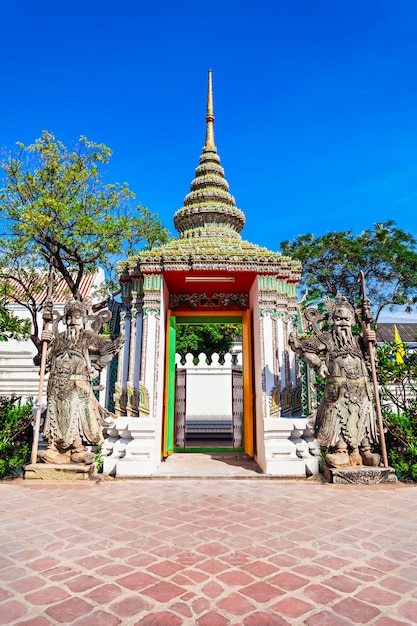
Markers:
point(315, 101)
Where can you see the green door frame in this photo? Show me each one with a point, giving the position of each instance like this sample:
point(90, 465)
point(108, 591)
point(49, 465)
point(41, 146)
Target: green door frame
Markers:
point(224, 317)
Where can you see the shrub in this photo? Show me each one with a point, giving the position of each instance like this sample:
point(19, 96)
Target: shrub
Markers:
point(15, 435)
point(397, 376)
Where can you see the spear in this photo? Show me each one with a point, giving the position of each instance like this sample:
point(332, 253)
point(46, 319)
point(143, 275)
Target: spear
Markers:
point(366, 323)
point(47, 317)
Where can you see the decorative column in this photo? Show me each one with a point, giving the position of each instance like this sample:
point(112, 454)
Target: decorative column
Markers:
point(135, 346)
point(288, 446)
point(133, 447)
point(120, 396)
point(152, 286)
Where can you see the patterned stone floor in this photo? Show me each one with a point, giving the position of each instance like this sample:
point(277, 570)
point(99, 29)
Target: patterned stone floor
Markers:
point(207, 553)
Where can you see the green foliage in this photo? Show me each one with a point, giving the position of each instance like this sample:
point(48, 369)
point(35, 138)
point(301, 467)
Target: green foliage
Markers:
point(15, 435)
point(398, 388)
point(11, 327)
point(207, 338)
point(98, 459)
point(386, 254)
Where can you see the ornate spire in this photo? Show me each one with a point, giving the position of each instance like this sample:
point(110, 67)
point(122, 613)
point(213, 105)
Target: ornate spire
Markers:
point(209, 209)
point(210, 114)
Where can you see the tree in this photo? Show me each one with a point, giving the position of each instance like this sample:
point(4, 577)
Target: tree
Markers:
point(206, 338)
point(386, 254)
point(56, 210)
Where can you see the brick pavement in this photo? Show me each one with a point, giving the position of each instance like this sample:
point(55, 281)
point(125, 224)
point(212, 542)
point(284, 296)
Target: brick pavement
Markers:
point(207, 553)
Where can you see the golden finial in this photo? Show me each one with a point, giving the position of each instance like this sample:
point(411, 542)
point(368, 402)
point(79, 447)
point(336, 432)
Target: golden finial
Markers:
point(210, 114)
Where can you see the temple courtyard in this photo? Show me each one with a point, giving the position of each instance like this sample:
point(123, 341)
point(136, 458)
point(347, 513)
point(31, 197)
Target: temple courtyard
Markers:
point(220, 544)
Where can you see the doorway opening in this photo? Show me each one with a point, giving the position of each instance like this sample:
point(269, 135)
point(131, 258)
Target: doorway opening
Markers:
point(208, 384)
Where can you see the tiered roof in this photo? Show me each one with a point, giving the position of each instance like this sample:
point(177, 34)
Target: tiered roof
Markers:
point(209, 226)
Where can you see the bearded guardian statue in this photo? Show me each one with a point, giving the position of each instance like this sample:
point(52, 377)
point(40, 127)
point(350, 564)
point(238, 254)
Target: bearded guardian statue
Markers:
point(346, 417)
point(74, 417)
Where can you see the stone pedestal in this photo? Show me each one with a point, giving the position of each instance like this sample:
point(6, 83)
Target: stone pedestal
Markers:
point(360, 475)
point(65, 471)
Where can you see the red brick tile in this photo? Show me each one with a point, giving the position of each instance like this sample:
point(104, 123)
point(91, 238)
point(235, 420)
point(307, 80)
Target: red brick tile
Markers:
point(212, 566)
point(30, 583)
point(47, 596)
point(236, 559)
point(100, 618)
point(265, 618)
point(200, 605)
point(104, 594)
point(128, 607)
point(288, 581)
point(292, 607)
point(212, 589)
point(366, 574)
point(341, 583)
point(310, 570)
point(59, 574)
point(284, 560)
point(235, 604)
point(260, 568)
point(378, 596)
point(4, 594)
point(397, 584)
point(196, 576)
point(164, 618)
point(187, 596)
point(4, 562)
point(408, 610)
point(212, 619)
point(235, 578)
point(381, 564)
point(140, 560)
point(119, 553)
point(69, 610)
point(399, 556)
point(409, 572)
point(137, 580)
point(13, 573)
point(165, 568)
point(212, 549)
point(114, 569)
point(44, 563)
point(181, 580)
point(163, 591)
point(332, 562)
point(261, 592)
point(326, 618)
point(36, 621)
point(259, 552)
point(83, 583)
point(11, 610)
point(182, 608)
point(165, 551)
point(320, 594)
point(92, 562)
point(188, 558)
point(24, 556)
point(356, 611)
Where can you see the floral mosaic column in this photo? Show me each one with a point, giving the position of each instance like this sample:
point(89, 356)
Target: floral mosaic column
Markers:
point(120, 396)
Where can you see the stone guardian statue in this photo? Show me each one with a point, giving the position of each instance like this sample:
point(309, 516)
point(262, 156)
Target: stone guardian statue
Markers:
point(74, 417)
point(346, 417)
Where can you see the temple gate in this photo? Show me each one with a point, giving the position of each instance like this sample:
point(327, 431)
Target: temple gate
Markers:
point(209, 271)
